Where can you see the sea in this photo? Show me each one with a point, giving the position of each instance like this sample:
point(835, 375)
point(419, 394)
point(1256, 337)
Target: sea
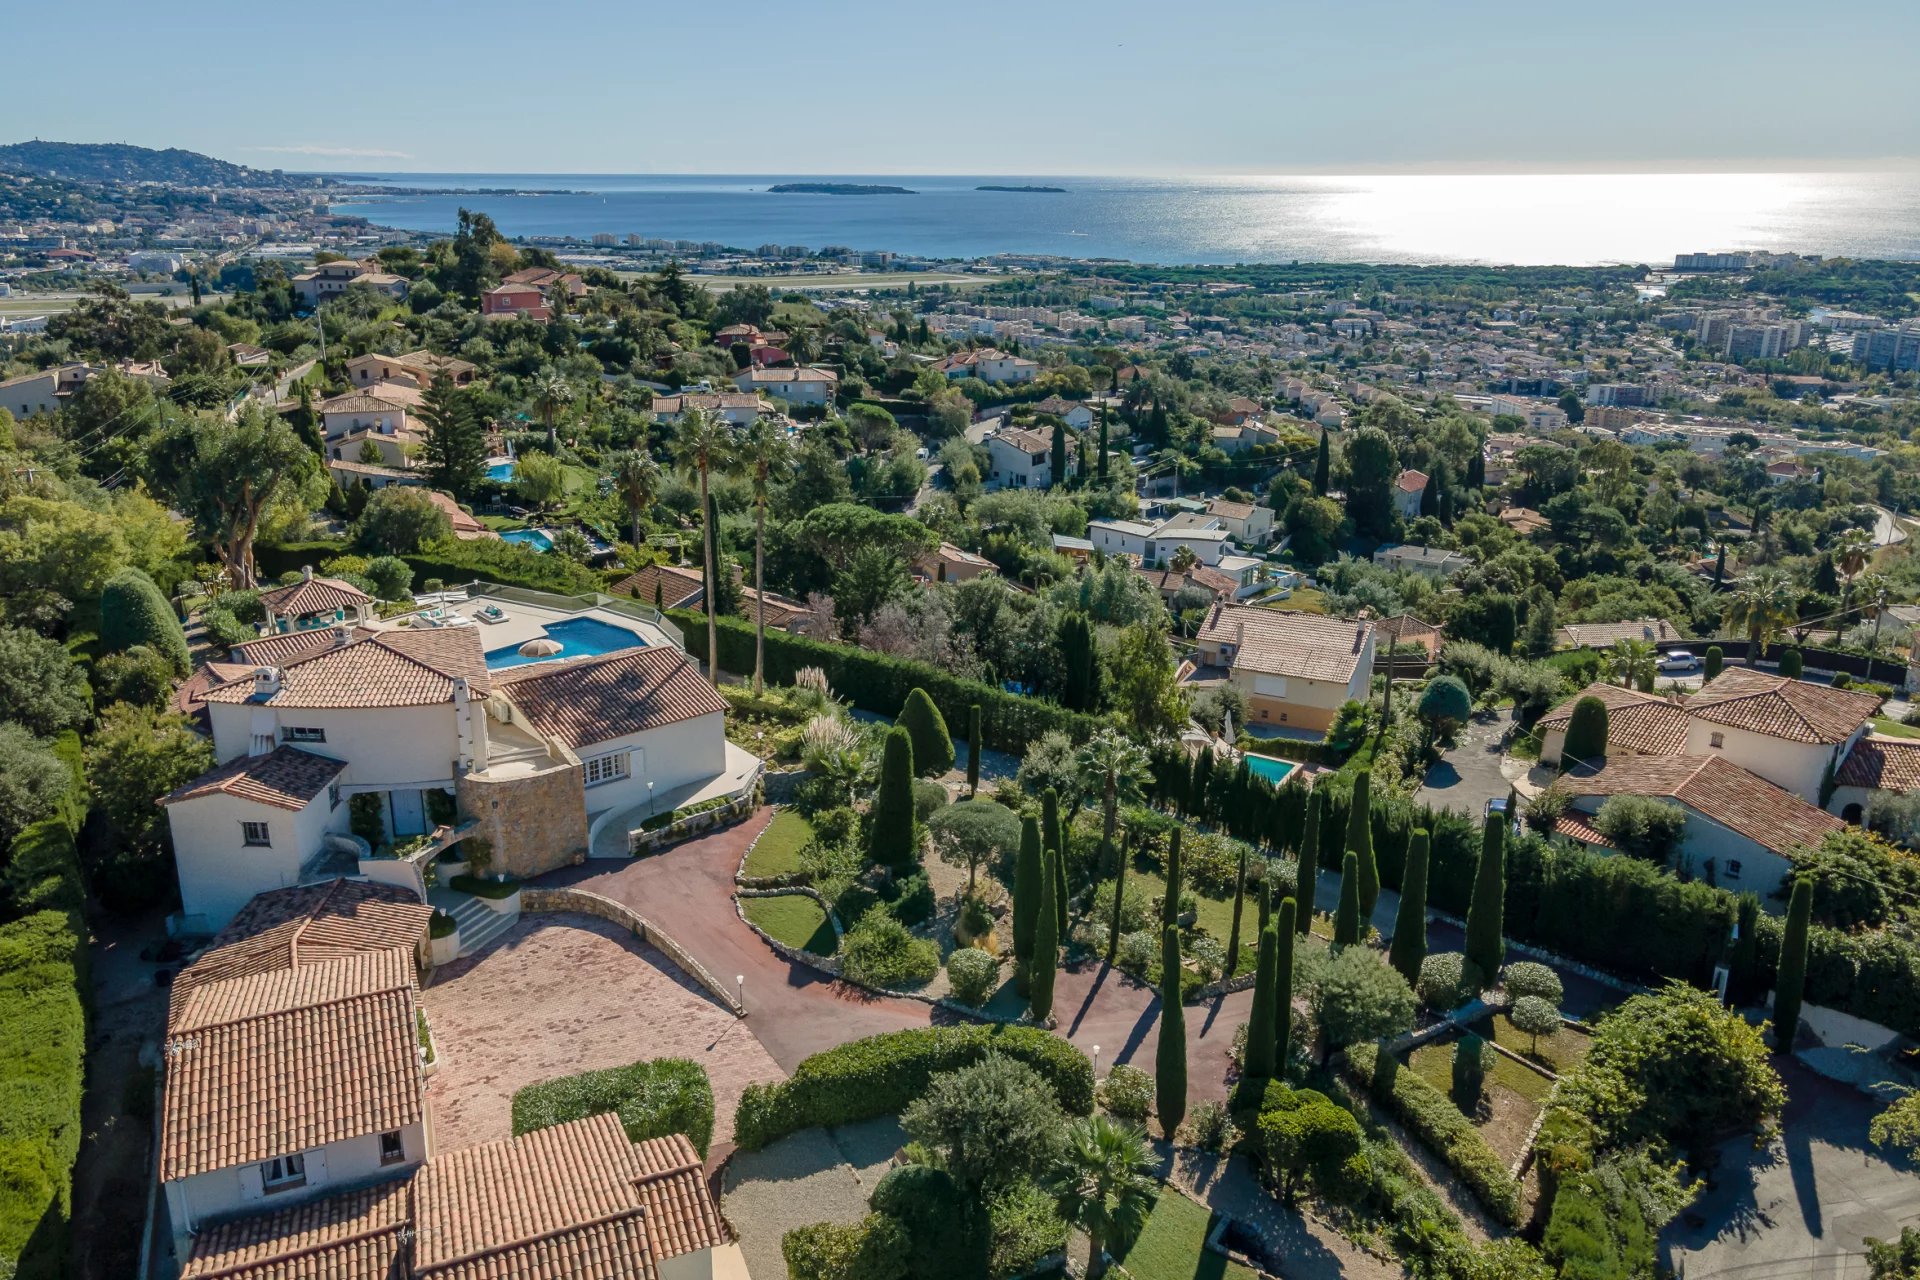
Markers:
point(1506, 219)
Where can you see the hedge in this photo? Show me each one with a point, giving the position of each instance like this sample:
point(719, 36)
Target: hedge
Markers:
point(880, 1075)
point(42, 1048)
point(133, 611)
point(1875, 976)
point(880, 683)
point(1440, 1124)
point(653, 1099)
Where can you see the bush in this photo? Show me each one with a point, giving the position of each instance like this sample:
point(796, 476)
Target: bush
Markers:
point(652, 1099)
point(1127, 1093)
point(929, 798)
point(133, 612)
point(1646, 827)
point(1536, 1017)
point(42, 872)
point(1210, 1127)
point(138, 675)
point(392, 577)
point(497, 890)
point(1138, 951)
point(225, 628)
point(1439, 1124)
point(1211, 862)
point(442, 925)
point(973, 975)
point(1135, 912)
point(1525, 978)
point(835, 826)
point(932, 744)
point(913, 899)
point(1447, 979)
point(1304, 1135)
point(946, 1229)
point(876, 1248)
point(1026, 1227)
point(401, 521)
point(42, 1052)
point(879, 951)
point(880, 1075)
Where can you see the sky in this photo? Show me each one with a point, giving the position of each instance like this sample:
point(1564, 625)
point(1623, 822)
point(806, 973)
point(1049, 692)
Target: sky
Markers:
point(1044, 87)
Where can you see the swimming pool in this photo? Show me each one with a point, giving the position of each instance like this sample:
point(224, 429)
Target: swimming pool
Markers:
point(535, 538)
point(578, 638)
point(1269, 767)
point(500, 471)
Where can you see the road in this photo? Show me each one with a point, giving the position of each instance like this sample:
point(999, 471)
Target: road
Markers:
point(1469, 773)
point(1886, 529)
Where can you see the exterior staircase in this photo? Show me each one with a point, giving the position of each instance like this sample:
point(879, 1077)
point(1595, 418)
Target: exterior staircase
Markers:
point(480, 925)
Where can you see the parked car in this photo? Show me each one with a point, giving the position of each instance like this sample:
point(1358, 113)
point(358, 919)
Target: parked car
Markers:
point(1678, 660)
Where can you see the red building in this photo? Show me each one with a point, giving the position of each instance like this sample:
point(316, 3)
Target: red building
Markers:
point(515, 300)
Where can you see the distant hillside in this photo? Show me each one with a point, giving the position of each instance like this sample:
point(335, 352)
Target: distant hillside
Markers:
point(118, 162)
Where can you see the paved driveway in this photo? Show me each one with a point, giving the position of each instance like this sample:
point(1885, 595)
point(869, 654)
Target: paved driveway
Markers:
point(1469, 774)
point(562, 994)
point(1804, 1205)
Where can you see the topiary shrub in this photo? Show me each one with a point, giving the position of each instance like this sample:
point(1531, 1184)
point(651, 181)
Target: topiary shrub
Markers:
point(973, 975)
point(1525, 978)
point(932, 744)
point(1535, 1017)
point(1127, 1093)
point(652, 1099)
point(134, 612)
point(880, 952)
point(1446, 979)
point(929, 798)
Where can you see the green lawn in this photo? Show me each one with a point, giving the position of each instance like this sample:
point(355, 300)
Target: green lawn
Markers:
point(1434, 1064)
point(794, 919)
point(1172, 1246)
point(777, 852)
point(1894, 729)
point(1557, 1053)
point(1215, 915)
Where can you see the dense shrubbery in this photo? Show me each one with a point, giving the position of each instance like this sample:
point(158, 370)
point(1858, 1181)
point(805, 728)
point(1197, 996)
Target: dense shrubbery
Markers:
point(880, 1075)
point(1127, 1093)
point(973, 975)
point(881, 952)
point(134, 612)
point(484, 559)
point(1440, 1124)
point(42, 1043)
point(652, 1099)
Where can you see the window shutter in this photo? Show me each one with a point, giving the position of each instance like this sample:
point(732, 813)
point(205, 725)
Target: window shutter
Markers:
point(317, 1167)
point(252, 1182)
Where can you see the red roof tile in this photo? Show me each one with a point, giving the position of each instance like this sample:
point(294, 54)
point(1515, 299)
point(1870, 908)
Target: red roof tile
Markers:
point(1721, 792)
point(588, 700)
point(1796, 710)
point(286, 778)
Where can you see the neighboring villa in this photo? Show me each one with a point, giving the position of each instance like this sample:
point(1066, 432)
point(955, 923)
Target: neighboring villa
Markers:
point(1250, 523)
point(1604, 635)
point(1408, 491)
point(348, 421)
point(331, 279)
point(989, 365)
point(1074, 413)
point(1429, 562)
point(736, 408)
point(801, 386)
point(1206, 533)
point(418, 369)
point(1020, 459)
point(32, 394)
point(1296, 669)
point(672, 586)
point(948, 563)
point(515, 301)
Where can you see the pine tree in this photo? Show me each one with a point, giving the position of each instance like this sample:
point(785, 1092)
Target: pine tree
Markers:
point(1310, 861)
point(1239, 900)
point(1322, 468)
point(1410, 921)
point(1790, 985)
point(1026, 894)
point(1283, 985)
point(1170, 904)
point(1046, 947)
point(1486, 911)
point(932, 744)
point(974, 747)
point(1346, 921)
point(1170, 1055)
point(1258, 1060)
point(890, 834)
point(455, 444)
point(1360, 841)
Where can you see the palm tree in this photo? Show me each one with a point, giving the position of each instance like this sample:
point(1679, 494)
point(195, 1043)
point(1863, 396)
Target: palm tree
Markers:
point(1113, 766)
point(551, 395)
point(1852, 552)
point(1762, 604)
point(1103, 1184)
point(1184, 559)
point(768, 455)
point(637, 477)
point(704, 445)
point(1632, 662)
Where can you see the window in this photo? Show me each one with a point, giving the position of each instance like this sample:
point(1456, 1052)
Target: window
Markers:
point(1733, 869)
point(333, 795)
point(1716, 739)
point(606, 768)
point(302, 733)
point(254, 833)
point(391, 1149)
point(283, 1173)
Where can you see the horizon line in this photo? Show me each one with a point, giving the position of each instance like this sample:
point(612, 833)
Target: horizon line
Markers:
point(1461, 169)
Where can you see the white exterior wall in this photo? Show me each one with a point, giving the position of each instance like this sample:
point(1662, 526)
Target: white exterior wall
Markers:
point(384, 747)
point(219, 872)
point(697, 1265)
point(1254, 530)
point(1793, 766)
point(1759, 869)
point(29, 396)
point(671, 756)
point(339, 1166)
point(1208, 545)
point(1117, 538)
point(346, 422)
point(1011, 467)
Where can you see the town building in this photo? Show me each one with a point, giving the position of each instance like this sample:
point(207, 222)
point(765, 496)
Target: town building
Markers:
point(1408, 491)
point(1296, 670)
point(805, 385)
point(1018, 458)
point(331, 279)
point(1429, 562)
point(989, 365)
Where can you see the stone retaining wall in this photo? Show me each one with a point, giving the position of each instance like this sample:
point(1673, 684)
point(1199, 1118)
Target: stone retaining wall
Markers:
point(641, 843)
point(586, 903)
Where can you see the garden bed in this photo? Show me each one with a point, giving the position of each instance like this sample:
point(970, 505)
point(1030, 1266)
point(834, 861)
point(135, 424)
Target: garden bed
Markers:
point(777, 850)
point(1558, 1053)
point(1173, 1244)
point(1510, 1099)
point(794, 919)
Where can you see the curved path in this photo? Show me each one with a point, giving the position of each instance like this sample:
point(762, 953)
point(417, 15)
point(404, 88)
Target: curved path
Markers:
point(796, 1011)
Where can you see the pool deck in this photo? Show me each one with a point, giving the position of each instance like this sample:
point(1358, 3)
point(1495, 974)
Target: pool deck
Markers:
point(524, 622)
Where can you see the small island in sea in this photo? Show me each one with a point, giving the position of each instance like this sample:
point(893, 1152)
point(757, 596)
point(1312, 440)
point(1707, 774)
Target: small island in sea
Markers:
point(1052, 191)
point(836, 189)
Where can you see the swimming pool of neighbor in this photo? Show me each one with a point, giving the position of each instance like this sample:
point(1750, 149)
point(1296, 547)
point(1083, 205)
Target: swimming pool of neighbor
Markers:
point(500, 471)
point(535, 538)
point(1269, 767)
point(577, 637)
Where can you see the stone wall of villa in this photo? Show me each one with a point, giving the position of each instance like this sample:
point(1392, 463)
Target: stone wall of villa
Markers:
point(535, 822)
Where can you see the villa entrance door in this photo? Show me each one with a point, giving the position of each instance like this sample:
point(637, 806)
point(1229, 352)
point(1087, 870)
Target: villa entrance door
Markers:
point(409, 814)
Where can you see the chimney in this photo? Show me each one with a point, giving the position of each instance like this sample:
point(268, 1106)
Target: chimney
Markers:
point(342, 635)
point(266, 683)
point(306, 573)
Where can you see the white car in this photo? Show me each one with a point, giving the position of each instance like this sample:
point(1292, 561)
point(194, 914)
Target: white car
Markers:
point(1678, 660)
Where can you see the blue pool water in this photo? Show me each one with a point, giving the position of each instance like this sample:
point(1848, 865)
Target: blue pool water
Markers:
point(1274, 771)
point(578, 637)
point(501, 471)
point(528, 538)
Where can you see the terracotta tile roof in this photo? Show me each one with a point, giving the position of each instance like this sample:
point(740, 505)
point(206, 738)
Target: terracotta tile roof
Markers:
point(465, 527)
point(1574, 825)
point(588, 700)
point(279, 650)
point(1882, 763)
point(1795, 710)
point(355, 1235)
point(402, 667)
point(289, 1060)
point(314, 595)
point(360, 402)
point(1028, 442)
point(681, 1216)
point(805, 373)
point(1604, 635)
point(676, 585)
point(186, 698)
point(1281, 642)
point(1644, 723)
point(1168, 582)
point(1229, 510)
point(311, 924)
point(1721, 792)
point(286, 778)
point(1411, 481)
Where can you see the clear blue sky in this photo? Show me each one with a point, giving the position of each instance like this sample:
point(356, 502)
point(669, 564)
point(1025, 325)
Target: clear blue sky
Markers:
point(1039, 87)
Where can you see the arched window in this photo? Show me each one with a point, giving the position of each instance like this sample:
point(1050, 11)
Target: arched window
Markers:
point(1854, 814)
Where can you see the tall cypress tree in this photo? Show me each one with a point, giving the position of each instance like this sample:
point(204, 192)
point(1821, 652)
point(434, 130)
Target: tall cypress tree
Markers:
point(1283, 985)
point(1046, 947)
point(1239, 899)
point(1170, 904)
point(1743, 966)
point(1791, 985)
point(973, 750)
point(1080, 663)
point(1346, 921)
point(1027, 868)
point(1170, 1055)
point(1057, 461)
point(1101, 468)
point(1258, 1060)
point(1322, 468)
point(1198, 786)
point(1486, 911)
point(1410, 921)
point(1360, 841)
point(1060, 879)
point(1119, 898)
point(890, 834)
point(1309, 878)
